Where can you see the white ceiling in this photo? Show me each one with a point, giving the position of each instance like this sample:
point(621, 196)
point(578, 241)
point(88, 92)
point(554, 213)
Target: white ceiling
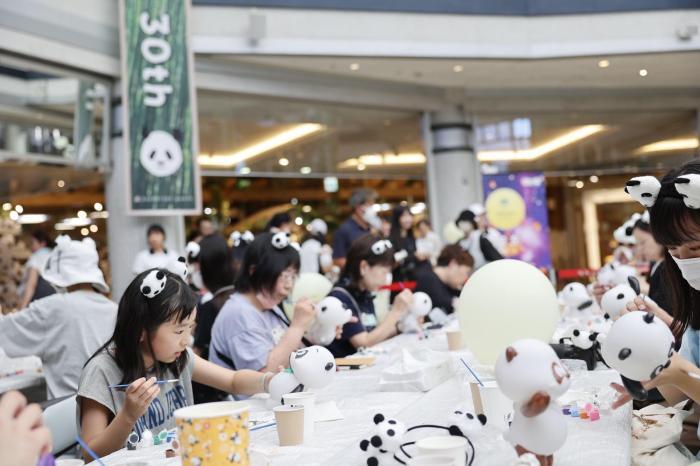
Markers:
point(665, 70)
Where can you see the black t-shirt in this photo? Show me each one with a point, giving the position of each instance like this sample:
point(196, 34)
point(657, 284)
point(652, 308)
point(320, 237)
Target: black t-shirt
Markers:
point(657, 290)
point(442, 295)
point(361, 303)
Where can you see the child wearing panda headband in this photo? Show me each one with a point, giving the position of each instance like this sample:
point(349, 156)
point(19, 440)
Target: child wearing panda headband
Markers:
point(370, 260)
point(155, 319)
point(674, 213)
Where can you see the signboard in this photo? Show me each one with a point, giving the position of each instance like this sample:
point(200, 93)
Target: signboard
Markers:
point(160, 112)
point(516, 205)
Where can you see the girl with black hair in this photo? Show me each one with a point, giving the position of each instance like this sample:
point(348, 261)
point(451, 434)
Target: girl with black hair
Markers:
point(33, 286)
point(404, 242)
point(675, 224)
point(368, 266)
point(154, 322)
point(252, 331)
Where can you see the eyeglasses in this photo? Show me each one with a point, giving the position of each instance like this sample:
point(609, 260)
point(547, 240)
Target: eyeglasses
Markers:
point(289, 275)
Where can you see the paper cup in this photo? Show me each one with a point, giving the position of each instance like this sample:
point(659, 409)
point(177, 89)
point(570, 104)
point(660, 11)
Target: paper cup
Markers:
point(454, 340)
point(290, 425)
point(212, 434)
point(445, 445)
point(497, 408)
point(430, 460)
point(308, 401)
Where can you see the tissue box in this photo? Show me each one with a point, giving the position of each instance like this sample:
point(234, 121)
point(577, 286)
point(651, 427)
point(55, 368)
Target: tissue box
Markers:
point(417, 370)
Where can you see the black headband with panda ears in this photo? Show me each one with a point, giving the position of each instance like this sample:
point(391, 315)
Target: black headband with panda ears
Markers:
point(645, 189)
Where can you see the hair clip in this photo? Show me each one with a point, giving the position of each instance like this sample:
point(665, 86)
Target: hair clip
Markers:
point(644, 189)
point(381, 246)
point(153, 283)
point(688, 186)
point(280, 240)
point(248, 237)
point(192, 249)
point(179, 267)
point(237, 238)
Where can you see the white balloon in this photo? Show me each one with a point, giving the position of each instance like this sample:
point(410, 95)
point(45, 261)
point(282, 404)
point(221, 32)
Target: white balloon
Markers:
point(533, 367)
point(615, 300)
point(314, 366)
point(639, 345)
point(313, 286)
point(505, 301)
point(280, 385)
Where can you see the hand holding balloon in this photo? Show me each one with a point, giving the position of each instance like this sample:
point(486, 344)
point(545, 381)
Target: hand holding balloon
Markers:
point(330, 314)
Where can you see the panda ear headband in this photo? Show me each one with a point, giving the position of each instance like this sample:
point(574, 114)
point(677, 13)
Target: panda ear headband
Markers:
point(154, 282)
point(381, 246)
point(281, 241)
point(645, 189)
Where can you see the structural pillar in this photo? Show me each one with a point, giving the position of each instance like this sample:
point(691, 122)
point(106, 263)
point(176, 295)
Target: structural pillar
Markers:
point(453, 172)
point(126, 234)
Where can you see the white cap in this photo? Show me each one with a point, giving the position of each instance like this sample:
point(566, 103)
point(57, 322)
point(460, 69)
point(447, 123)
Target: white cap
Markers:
point(318, 226)
point(74, 262)
point(477, 209)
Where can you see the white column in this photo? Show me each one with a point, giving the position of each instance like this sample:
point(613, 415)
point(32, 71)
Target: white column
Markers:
point(453, 173)
point(126, 235)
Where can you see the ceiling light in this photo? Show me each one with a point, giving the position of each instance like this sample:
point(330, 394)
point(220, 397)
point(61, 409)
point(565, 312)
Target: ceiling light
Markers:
point(643, 72)
point(60, 183)
point(32, 219)
point(603, 63)
point(7, 206)
point(305, 170)
point(77, 222)
point(280, 139)
point(458, 68)
point(375, 160)
point(418, 208)
point(103, 214)
point(14, 215)
point(294, 201)
point(354, 66)
point(283, 161)
point(360, 167)
point(245, 171)
point(82, 214)
point(63, 227)
point(84, 231)
point(299, 221)
point(19, 209)
point(579, 184)
point(306, 209)
point(669, 145)
point(98, 207)
point(207, 211)
point(543, 149)
point(93, 228)
point(594, 179)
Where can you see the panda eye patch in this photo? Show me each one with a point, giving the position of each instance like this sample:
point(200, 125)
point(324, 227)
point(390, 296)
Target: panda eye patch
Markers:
point(620, 296)
point(624, 353)
point(329, 366)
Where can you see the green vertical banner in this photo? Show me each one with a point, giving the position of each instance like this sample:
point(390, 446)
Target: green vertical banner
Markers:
point(160, 111)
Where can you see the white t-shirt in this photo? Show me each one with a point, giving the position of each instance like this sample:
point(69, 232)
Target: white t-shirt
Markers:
point(309, 255)
point(36, 261)
point(64, 330)
point(146, 260)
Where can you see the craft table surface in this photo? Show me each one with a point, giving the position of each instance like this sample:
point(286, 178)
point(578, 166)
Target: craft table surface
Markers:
point(357, 395)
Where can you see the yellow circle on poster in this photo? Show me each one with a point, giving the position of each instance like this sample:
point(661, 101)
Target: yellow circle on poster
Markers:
point(505, 208)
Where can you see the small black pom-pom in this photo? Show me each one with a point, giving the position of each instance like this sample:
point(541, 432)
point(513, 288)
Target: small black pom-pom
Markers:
point(372, 461)
point(376, 441)
point(146, 290)
point(160, 275)
point(378, 418)
point(364, 445)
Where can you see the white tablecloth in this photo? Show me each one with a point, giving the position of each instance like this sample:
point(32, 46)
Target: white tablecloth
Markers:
point(356, 393)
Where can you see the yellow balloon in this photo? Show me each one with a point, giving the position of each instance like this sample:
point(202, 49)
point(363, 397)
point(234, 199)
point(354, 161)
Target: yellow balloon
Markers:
point(505, 301)
point(452, 233)
point(505, 208)
point(309, 285)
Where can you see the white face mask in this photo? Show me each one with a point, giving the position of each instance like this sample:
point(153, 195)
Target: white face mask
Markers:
point(690, 269)
point(371, 217)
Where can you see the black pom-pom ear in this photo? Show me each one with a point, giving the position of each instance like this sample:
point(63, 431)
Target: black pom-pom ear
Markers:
point(482, 419)
point(376, 441)
point(649, 317)
point(455, 431)
point(364, 445)
point(624, 353)
point(379, 417)
point(160, 275)
point(577, 333)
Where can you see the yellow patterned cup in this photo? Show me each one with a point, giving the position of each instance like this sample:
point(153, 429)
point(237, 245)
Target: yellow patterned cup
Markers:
point(214, 434)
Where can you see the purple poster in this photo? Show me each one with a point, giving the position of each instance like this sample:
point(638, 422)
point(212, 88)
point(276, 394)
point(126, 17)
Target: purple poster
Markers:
point(516, 205)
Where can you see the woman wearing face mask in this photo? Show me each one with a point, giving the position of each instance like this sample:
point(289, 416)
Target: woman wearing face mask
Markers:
point(475, 241)
point(251, 330)
point(368, 266)
point(675, 224)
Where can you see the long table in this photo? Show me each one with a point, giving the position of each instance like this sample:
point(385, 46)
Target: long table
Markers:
point(358, 397)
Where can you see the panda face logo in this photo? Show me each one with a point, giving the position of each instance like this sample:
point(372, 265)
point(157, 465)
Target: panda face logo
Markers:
point(161, 154)
point(280, 240)
point(153, 283)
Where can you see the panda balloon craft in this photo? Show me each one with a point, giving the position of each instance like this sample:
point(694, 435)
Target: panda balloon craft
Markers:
point(532, 376)
point(312, 367)
point(389, 440)
point(330, 314)
point(421, 307)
